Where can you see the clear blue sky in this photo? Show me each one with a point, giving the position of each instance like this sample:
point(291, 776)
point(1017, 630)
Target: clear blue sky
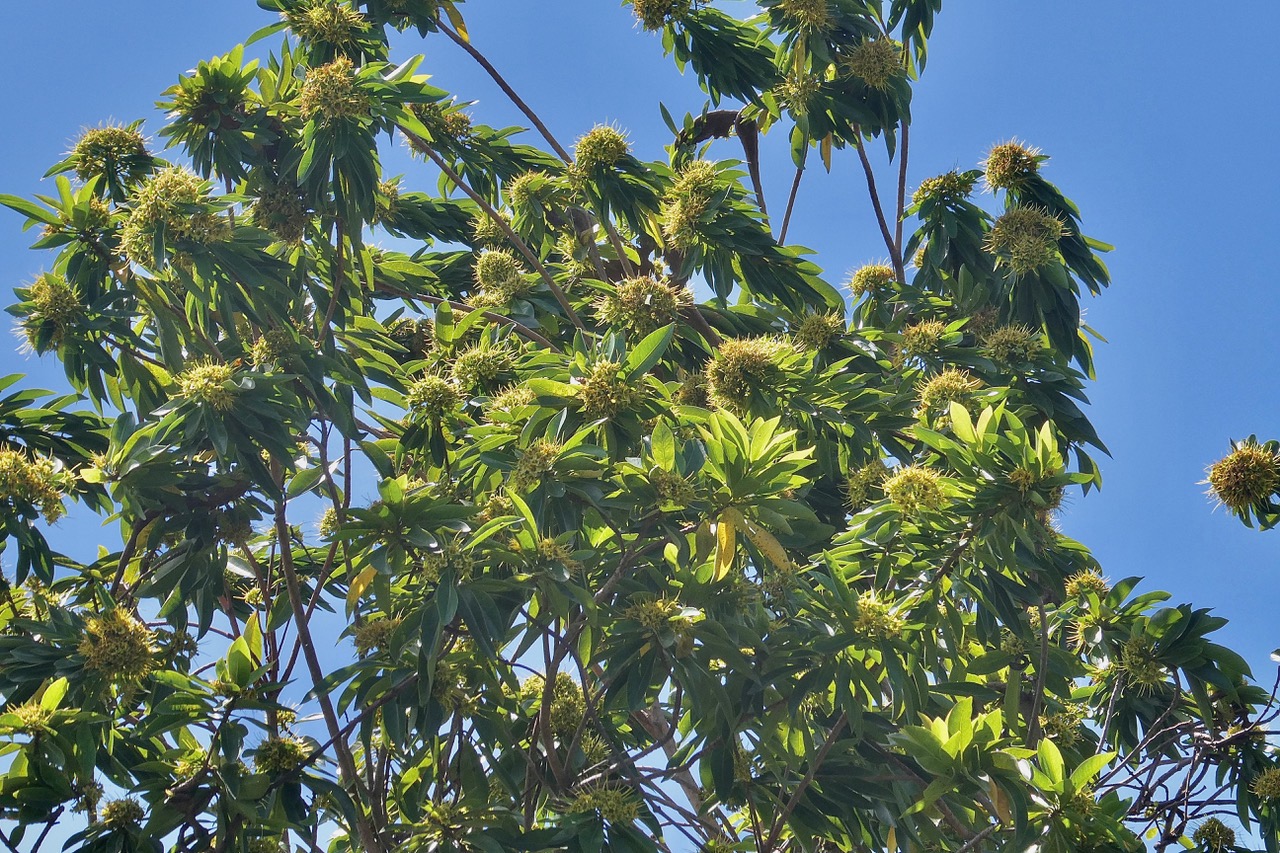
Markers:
point(1159, 121)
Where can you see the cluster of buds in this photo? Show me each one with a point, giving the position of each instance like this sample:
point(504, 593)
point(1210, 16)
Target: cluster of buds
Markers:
point(53, 308)
point(923, 338)
point(950, 386)
point(328, 22)
point(861, 484)
point(655, 14)
point(1085, 583)
point(1026, 237)
point(1214, 836)
point(373, 634)
point(876, 62)
point(481, 365)
point(686, 202)
point(279, 755)
point(117, 646)
point(534, 464)
point(914, 489)
point(817, 331)
point(162, 207)
point(605, 392)
point(642, 305)
point(870, 280)
point(209, 383)
point(1012, 344)
point(1248, 475)
point(112, 151)
point(876, 619)
point(602, 147)
point(743, 368)
point(33, 481)
point(124, 813)
point(500, 277)
point(331, 94)
point(947, 188)
point(432, 396)
point(617, 805)
point(1010, 165)
point(568, 703)
point(810, 16)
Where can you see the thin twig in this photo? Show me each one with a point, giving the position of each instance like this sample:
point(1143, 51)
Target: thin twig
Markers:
point(809, 775)
point(902, 185)
point(791, 200)
point(894, 255)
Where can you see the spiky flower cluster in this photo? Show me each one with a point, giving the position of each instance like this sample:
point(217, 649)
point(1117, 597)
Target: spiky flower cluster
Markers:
point(655, 614)
point(858, 488)
point(35, 481)
point(510, 400)
point(568, 704)
point(923, 338)
point(1086, 582)
point(876, 619)
point(671, 487)
point(1012, 344)
point(111, 151)
point(501, 278)
point(527, 187)
point(615, 804)
point(1026, 237)
point(274, 345)
point(950, 386)
point(486, 230)
point(281, 210)
point(373, 634)
point(481, 366)
point(600, 148)
point(162, 207)
point(1266, 785)
point(642, 305)
point(1137, 661)
point(279, 755)
point(654, 14)
point(1214, 836)
point(451, 557)
point(876, 62)
point(331, 94)
point(433, 396)
point(797, 92)
point(416, 336)
point(693, 391)
point(207, 383)
point(604, 393)
point(122, 814)
point(1064, 726)
point(944, 189)
point(31, 718)
point(686, 202)
point(1010, 165)
point(743, 368)
point(328, 22)
point(551, 552)
point(534, 464)
point(870, 280)
point(328, 525)
point(1248, 475)
point(817, 331)
point(915, 488)
point(808, 15)
point(117, 646)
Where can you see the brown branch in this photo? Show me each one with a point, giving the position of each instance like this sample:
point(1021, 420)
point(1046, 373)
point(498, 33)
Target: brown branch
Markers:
point(809, 775)
point(902, 185)
point(791, 201)
point(894, 255)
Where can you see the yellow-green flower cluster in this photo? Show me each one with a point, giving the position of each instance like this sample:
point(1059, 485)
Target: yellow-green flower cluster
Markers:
point(870, 280)
point(742, 368)
point(671, 487)
point(1027, 237)
point(450, 556)
point(642, 305)
point(859, 487)
point(373, 634)
point(486, 230)
point(915, 488)
point(527, 187)
point(117, 646)
point(1138, 662)
point(534, 464)
point(207, 383)
point(433, 396)
point(946, 188)
point(876, 619)
point(1064, 727)
point(568, 703)
point(1214, 836)
point(273, 345)
point(876, 62)
point(35, 481)
point(1266, 785)
point(817, 331)
point(1246, 476)
point(601, 147)
point(279, 755)
point(331, 94)
point(923, 338)
point(162, 206)
point(615, 804)
point(1084, 582)
point(281, 210)
point(110, 150)
point(1010, 165)
point(31, 718)
point(797, 91)
point(950, 386)
point(686, 202)
point(808, 15)
point(123, 813)
point(329, 22)
point(481, 366)
point(604, 392)
point(328, 524)
point(500, 277)
point(1012, 344)
point(416, 336)
point(654, 14)
point(55, 304)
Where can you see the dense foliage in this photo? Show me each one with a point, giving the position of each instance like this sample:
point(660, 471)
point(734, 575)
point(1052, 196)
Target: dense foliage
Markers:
point(772, 569)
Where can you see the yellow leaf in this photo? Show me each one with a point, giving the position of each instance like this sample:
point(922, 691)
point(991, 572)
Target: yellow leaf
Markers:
point(891, 839)
point(726, 545)
point(1001, 801)
point(766, 542)
point(458, 24)
point(826, 152)
point(358, 586)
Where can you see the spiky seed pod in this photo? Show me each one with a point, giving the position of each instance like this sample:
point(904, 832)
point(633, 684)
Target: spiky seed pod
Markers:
point(876, 619)
point(604, 393)
point(111, 151)
point(534, 464)
point(950, 386)
point(742, 368)
point(54, 310)
point(124, 813)
point(1214, 836)
point(1010, 165)
point(433, 396)
point(876, 62)
point(162, 206)
point(481, 366)
point(1012, 344)
point(812, 16)
point(870, 280)
point(206, 382)
point(372, 634)
point(944, 189)
point(117, 646)
point(616, 804)
point(1026, 238)
point(279, 755)
point(642, 305)
point(1248, 475)
point(328, 22)
point(923, 338)
point(817, 331)
point(1266, 785)
point(914, 489)
point(655, 14)
point(1082, 583)
point(331, 94)
point(600, 148)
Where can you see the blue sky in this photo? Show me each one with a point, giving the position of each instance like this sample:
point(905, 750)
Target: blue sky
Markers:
point(1158, 123)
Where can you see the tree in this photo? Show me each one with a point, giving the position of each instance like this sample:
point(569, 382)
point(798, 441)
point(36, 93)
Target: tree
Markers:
point(764, 571)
